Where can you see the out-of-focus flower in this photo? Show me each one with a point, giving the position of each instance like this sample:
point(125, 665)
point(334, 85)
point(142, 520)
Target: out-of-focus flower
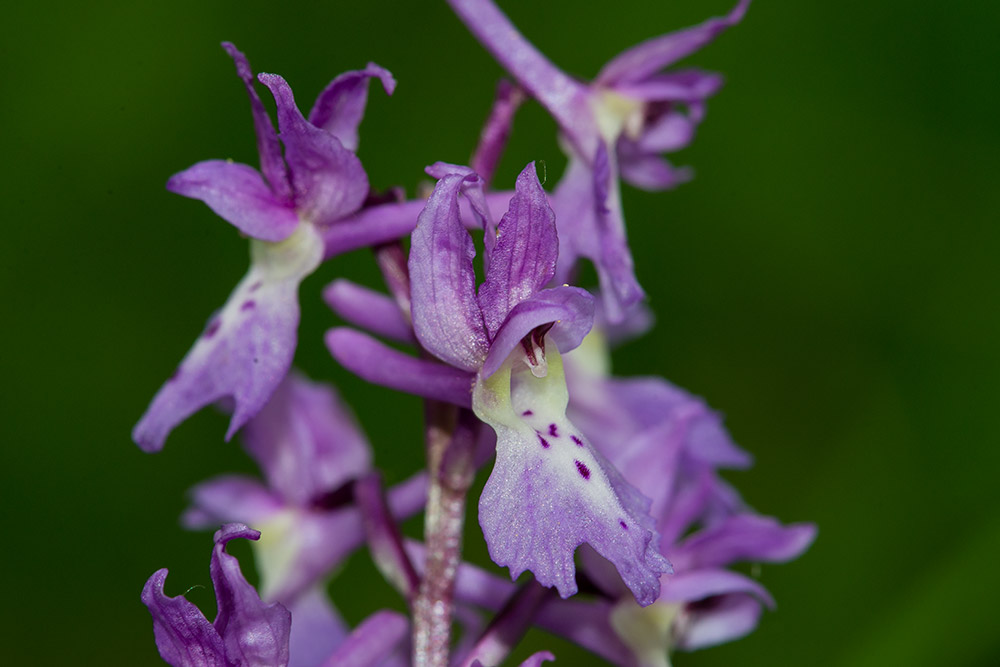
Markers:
point(247, 346)
point(617, 125)
point(246, 631)
point(310, 450)
point(550, 490)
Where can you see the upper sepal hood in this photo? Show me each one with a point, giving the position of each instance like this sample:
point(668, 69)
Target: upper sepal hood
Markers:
point(246, 631)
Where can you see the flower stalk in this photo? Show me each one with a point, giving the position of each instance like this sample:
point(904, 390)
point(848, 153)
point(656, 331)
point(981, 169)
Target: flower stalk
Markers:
point(450, 445)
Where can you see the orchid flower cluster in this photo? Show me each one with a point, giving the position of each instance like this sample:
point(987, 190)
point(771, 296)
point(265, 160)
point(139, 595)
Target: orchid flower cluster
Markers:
point(607, 490)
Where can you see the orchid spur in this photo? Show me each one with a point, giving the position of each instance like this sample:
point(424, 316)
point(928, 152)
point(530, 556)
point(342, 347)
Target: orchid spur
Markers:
point(617, 125)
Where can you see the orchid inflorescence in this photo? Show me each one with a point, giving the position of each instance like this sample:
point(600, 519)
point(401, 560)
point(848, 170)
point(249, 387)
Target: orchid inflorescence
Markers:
point(606, 483)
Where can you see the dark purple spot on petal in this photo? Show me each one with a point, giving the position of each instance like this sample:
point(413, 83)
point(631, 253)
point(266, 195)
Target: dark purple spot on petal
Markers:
point(623, 525)
point(176, 374)
point(578, 441)
point(584, 470)
point(553, 431)
point(527, 413)
point(256, 286)
point(249, 304)
point(212, 327)
point(545, 443)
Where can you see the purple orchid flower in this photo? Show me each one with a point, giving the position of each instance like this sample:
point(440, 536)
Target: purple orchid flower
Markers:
point(310, 450)
point(285, 208)
point(550, 490)
point(675, 443)
point(246, 631)
point(615, 126)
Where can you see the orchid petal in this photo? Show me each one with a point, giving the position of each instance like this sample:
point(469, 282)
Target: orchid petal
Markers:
point(368, 309)
point(670, 132)
point(446, 316)
point(254, 633)
point(701, 584)
point(744, 537)
point(238, 194)
point(372, 641)
point(301, 547)
point(317, 630)
point(640, 61)
point(380, 364)
point(524, 256)
point(328, 179)
point(690, 85)
point(562, 96)
point(184, 637)
point(373, 225)
point(727, 617)
point(341, 106)
point(588, 207)
point(306, 441)
point(652, 173)
point(385, 543)
point(246, 348)
point(229, 498)
point(271, 163)
point(493, 138)
point(473, 207)
point(570, 308)
point(534, 660)
point(550, 491)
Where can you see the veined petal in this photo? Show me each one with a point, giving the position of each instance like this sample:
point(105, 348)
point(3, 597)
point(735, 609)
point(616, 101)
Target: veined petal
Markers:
point(341, 106)
point(317, 630)
point(652, 55)
point(550, 491)
point(524, 256)
point(184, 637)
point(238, 194)
point(743, 537)
point(254, 633)
point(380, 364)
point(247, 347)
point(473, 207)
point(372, 641)
point(446, 316)
point(328, 179)
point(570, 308)
point(368, 309)
point(271, 162)
point(306, 441)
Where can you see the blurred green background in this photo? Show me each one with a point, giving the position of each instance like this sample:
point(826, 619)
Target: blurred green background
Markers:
point(828, 281)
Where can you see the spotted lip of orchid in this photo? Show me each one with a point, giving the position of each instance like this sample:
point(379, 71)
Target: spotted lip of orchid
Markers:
point(246, 631)
point(615, 126)
point(550, 490)
point(247, 346)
